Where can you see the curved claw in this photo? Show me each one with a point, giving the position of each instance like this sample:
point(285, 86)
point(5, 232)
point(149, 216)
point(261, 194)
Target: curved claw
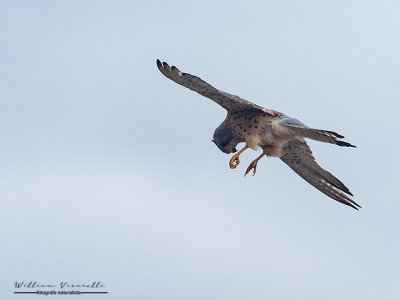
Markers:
point(253, 166)
point(234, 161)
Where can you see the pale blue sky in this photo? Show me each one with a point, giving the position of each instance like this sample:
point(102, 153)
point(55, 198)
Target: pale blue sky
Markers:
point(108, 171)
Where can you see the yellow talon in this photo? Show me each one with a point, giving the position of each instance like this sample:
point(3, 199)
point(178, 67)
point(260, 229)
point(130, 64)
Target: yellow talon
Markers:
point(234, 161)
point(253, 165)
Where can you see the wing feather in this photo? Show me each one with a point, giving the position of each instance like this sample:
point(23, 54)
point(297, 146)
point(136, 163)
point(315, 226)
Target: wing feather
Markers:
point(230, 102)
point(298, 156)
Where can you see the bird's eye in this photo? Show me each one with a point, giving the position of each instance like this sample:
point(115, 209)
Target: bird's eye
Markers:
point(223, 144)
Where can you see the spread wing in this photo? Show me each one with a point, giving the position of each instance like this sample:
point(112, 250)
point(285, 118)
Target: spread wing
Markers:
point(298, 156)
point(230, 102)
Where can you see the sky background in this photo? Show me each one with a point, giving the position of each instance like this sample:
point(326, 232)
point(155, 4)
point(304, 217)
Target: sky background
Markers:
point(108, 172)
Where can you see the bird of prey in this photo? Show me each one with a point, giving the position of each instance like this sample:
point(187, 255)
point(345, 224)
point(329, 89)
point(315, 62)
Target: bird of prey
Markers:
point(277, 134)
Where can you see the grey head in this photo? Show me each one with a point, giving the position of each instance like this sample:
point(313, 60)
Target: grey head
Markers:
point(223, 138)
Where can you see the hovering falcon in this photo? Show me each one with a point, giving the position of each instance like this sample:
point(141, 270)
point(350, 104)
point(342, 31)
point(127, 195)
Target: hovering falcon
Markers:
point(275, 133)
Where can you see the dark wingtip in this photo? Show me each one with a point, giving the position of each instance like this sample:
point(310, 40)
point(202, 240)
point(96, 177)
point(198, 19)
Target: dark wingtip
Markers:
point(339, 136)
point(159, 64)
point(344, 144)
point(166, 66)
point(352, 204)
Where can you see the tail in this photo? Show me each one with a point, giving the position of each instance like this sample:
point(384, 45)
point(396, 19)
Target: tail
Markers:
point(315, 134)
point(326, 137)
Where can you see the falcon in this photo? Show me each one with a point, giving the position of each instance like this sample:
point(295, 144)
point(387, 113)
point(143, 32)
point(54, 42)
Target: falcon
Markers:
point(275, 133)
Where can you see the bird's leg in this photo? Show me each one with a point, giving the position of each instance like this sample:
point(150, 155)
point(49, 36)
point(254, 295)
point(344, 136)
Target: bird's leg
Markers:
point(234, 161)
point(253, 164)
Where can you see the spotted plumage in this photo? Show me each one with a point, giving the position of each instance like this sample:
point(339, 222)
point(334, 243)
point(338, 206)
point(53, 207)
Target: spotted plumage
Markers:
point(275, 133)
